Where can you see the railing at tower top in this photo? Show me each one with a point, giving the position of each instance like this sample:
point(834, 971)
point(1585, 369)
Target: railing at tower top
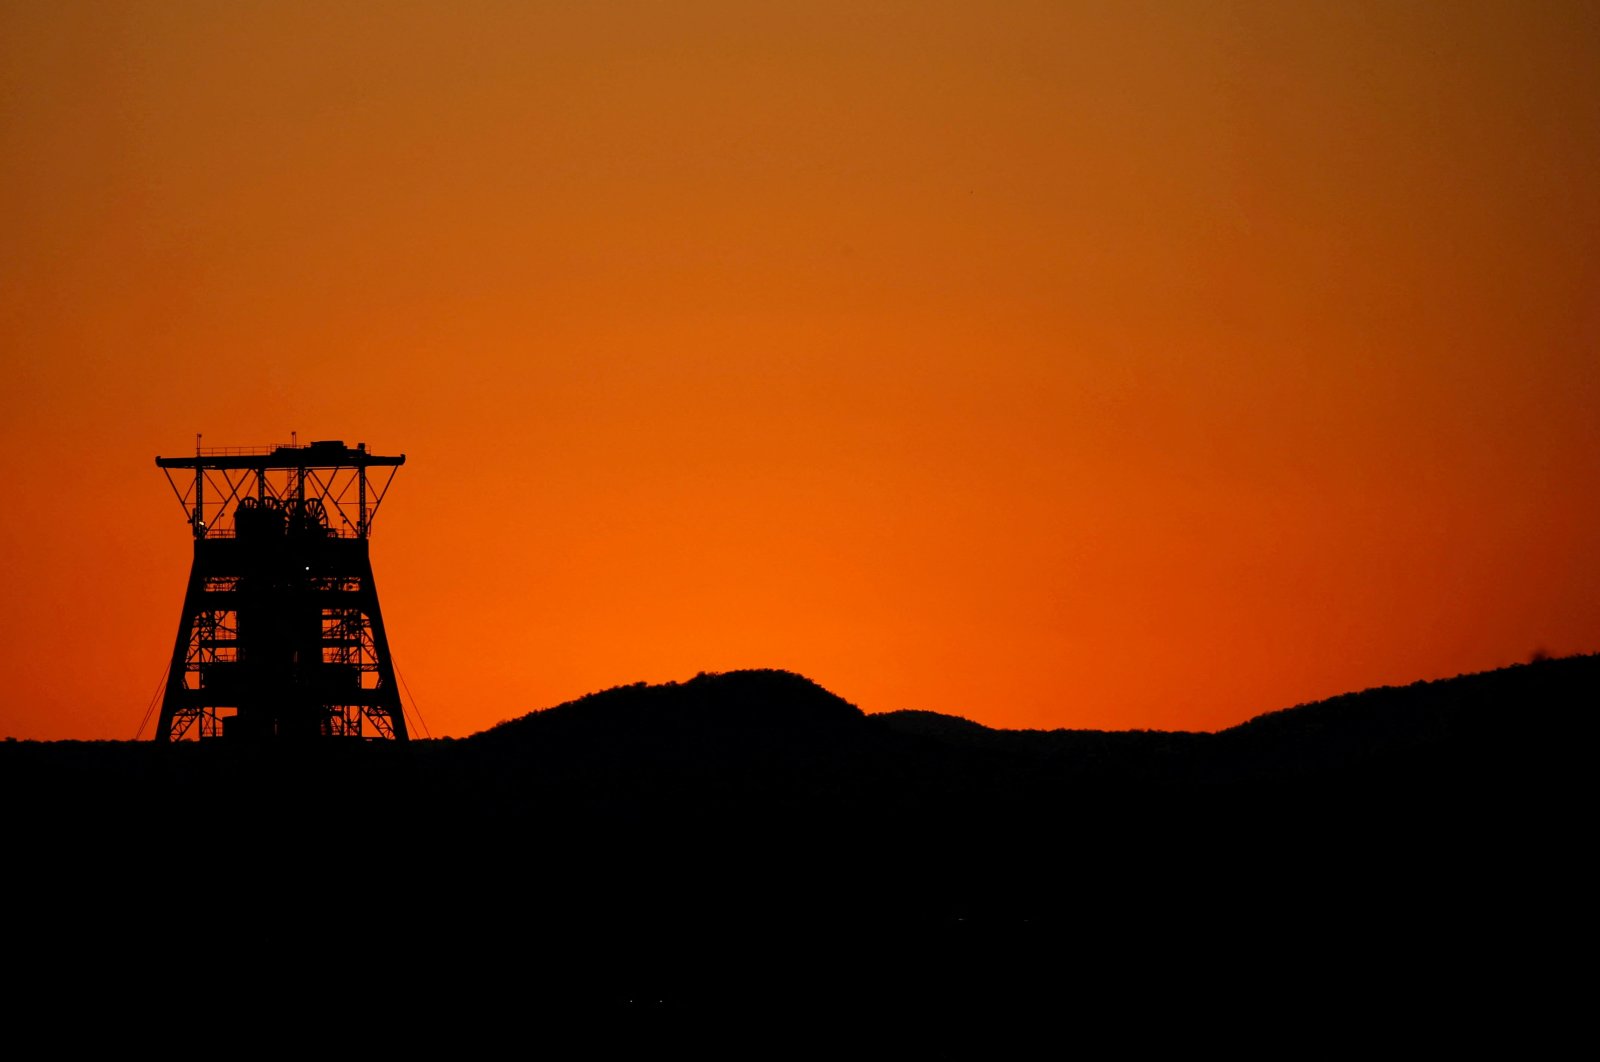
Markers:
point(325, 472)
point(235, 451)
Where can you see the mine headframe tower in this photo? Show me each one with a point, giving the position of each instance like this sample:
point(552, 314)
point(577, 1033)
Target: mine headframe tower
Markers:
point(281, 636)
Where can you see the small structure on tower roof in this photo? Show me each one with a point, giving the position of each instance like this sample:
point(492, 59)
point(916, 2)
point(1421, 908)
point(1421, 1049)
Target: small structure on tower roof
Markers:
point(281, 635)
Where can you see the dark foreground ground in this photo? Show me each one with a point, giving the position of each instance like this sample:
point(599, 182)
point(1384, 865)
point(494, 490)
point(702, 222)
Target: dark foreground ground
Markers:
point(1409, 857)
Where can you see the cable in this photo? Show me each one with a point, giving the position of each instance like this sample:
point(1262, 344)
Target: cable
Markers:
point(155, 698)
point(416, 710)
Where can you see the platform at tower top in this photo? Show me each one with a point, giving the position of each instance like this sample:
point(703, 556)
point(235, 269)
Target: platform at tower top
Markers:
point(327, 453)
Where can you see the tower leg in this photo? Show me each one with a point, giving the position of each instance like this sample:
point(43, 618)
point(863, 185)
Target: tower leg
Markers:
point(388, 686)
point(174, 697)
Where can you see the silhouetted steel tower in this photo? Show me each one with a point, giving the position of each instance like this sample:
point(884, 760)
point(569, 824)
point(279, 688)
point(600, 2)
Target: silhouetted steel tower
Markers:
point(281, 636)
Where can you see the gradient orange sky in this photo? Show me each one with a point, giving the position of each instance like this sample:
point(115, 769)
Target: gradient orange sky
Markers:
point(1051, 364)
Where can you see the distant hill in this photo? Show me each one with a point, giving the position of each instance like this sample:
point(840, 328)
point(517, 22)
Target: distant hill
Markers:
point(742, 712)
point(1462, 723)
point(762, 720)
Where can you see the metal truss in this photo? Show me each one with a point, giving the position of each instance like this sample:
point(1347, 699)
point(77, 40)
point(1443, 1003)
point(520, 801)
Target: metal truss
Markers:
point(281, 635)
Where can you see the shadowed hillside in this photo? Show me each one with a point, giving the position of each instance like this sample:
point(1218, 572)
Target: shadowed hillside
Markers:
point(677, 835)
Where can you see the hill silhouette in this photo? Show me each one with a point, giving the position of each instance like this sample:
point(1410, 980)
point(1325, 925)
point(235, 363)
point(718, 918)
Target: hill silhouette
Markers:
point(1461, 725)
point(692, 836)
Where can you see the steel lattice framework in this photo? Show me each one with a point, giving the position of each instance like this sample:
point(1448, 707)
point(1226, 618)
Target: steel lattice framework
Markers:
point(281, 636)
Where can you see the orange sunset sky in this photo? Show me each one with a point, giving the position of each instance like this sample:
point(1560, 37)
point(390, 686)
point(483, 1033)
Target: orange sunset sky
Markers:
point(1052, 364)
